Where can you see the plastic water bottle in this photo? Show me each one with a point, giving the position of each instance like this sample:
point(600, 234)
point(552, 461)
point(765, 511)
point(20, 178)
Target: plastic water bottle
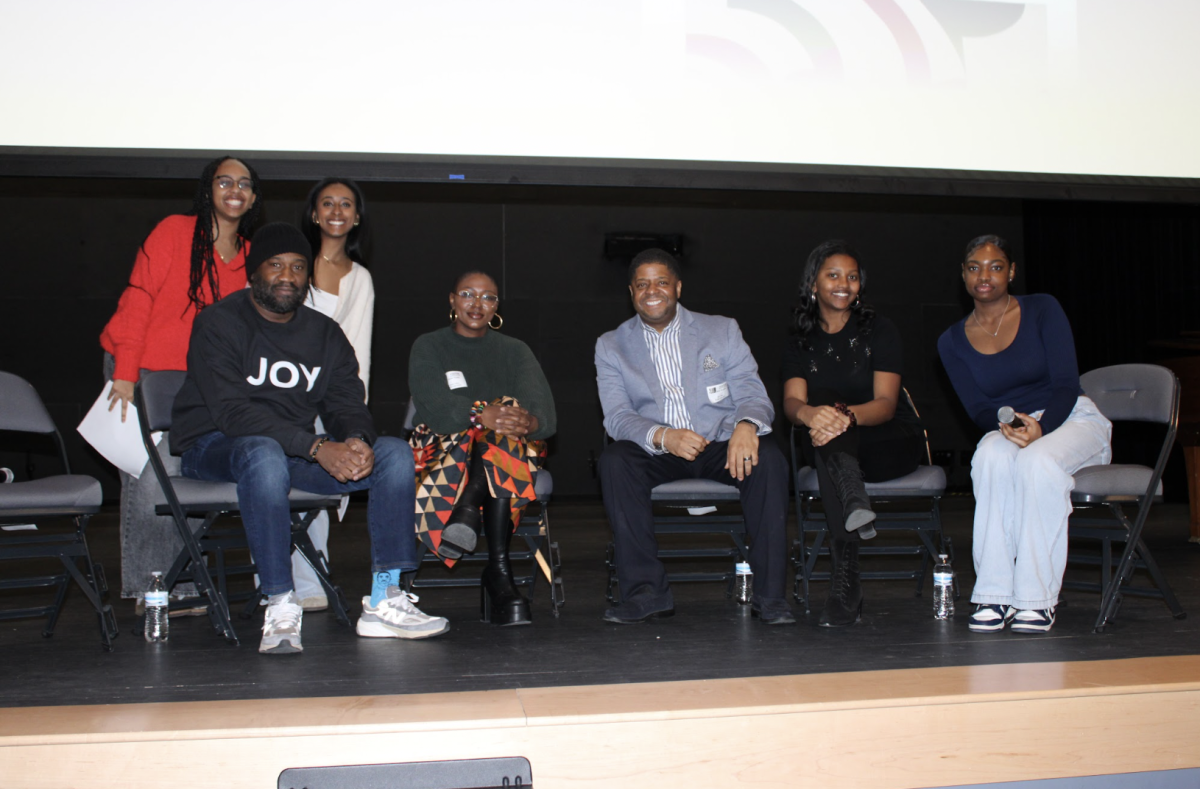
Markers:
point(743, 583)
point(157, 622)
point(943, 588)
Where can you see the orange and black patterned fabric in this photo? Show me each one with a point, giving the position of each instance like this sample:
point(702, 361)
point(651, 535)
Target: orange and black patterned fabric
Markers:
point(443, 464)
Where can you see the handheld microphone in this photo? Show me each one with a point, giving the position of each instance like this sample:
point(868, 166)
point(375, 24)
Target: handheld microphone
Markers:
point(1007, 416)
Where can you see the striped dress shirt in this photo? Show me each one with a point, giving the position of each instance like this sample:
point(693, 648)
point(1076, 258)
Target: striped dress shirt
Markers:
point(668, 364)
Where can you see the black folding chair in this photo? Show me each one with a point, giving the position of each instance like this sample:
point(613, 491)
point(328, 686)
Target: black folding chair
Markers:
point(1132, 393)
point(42, 504)
point(910, 503)
point(183, 497)
point(693, 507)
point(534, 530)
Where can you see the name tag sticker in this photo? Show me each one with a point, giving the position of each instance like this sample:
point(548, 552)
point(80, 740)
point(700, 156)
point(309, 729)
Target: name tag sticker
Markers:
point(456, 380)
point(718, 392)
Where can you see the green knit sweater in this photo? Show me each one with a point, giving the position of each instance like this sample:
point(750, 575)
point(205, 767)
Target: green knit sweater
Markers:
point(491, 366)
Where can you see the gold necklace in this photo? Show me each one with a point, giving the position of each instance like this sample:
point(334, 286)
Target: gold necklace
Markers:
point(999, 323)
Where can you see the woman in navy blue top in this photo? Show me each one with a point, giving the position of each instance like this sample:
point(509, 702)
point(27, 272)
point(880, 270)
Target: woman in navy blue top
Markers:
point(1018, 352)
point(841, 372)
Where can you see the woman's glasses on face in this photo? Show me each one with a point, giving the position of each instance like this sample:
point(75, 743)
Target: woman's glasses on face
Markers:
point(225, 183)
point(490, 299)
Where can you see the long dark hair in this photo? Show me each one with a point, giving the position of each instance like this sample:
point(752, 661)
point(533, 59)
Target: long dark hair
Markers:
point(203, 267)
point(806, 315)
point(355, 239)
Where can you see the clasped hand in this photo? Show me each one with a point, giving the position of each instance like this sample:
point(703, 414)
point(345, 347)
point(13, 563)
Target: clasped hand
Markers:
point(508, 420)
point(826, 424)
point(347, 461)
point(1022, 436)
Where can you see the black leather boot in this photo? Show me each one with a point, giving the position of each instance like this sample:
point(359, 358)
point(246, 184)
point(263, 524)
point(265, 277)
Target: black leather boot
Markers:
point(499, 599)
point(847, 479)
point(461, 532)
point(844, 605)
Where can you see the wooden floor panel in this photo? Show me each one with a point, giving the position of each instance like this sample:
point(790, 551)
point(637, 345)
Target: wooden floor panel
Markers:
point(887, 729)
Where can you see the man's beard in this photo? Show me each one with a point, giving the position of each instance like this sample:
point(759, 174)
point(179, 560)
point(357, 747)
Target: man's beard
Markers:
point(280, 305)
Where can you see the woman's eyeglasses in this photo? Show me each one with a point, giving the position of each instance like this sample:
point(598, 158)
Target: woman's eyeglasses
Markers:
point(225, 183)
point(490, 299)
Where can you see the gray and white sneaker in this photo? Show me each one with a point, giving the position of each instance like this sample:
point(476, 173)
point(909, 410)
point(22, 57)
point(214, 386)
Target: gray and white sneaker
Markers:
point(397, 617)
point(281, 627)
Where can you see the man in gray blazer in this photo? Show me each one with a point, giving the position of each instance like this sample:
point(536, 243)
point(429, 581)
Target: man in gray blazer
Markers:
point(682, 400)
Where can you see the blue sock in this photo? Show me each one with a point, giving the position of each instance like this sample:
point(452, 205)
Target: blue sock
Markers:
point(380, 584)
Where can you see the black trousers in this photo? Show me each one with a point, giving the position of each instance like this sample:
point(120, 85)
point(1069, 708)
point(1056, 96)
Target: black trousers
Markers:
point(628, 473)
point(884, 452)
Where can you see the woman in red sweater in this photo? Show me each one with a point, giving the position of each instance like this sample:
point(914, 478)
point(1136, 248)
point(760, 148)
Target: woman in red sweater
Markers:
point(186, 263)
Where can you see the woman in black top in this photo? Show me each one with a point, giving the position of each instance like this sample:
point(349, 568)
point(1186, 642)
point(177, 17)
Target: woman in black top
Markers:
point(841, 376)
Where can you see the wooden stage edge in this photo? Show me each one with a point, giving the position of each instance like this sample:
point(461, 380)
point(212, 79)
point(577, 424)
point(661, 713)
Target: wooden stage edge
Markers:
point(880, 729)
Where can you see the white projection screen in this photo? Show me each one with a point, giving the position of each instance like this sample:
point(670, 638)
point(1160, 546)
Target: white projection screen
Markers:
point(1059, 88)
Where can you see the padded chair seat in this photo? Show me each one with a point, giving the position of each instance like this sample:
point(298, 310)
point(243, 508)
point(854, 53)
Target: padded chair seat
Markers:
point(925, 481)
point(705, 490)
point(205, 494)
point(1117, 479)
point(543, 485)
point(63, 492)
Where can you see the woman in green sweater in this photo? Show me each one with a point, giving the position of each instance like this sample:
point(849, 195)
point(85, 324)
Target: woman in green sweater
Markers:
point(483, 410)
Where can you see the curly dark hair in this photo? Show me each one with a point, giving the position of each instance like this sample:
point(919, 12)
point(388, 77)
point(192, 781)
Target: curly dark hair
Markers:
point(203, 267)
point(355, 239)
point(806, 315)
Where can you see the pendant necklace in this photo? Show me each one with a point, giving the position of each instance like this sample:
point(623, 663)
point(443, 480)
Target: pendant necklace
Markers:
point(999, 323)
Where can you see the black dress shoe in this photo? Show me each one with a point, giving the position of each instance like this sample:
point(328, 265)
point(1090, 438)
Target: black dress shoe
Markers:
point(772, 612)
point(641, 607)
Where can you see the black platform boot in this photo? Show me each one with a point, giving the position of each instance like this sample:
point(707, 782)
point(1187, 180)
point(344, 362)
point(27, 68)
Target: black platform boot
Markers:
point(844, 605)
point(462, 530)
point(499, 599)
point(847, 479)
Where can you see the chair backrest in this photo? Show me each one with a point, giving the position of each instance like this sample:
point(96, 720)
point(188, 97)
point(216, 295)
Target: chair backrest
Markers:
point(157, 392)
point(21, 410)
point(1134, 392)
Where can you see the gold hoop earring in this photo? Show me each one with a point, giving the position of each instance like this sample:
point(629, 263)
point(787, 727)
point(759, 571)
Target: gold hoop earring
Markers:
point(453, 315)
point(496, 316)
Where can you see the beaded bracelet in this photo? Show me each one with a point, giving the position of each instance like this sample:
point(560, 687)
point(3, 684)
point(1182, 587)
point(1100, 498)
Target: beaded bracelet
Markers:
point(477, 411)
point(844, 409)
point(317, 448)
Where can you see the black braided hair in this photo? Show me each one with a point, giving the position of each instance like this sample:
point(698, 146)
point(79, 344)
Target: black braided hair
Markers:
point(203, 267)
point(806, 315)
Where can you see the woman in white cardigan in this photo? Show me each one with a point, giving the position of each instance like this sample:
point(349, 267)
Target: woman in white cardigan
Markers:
point(335, 221)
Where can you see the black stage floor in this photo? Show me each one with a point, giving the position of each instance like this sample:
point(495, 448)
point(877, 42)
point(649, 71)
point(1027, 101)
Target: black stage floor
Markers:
point(709, 638)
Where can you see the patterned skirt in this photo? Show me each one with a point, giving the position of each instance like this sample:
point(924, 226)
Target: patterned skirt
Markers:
point(443, 466)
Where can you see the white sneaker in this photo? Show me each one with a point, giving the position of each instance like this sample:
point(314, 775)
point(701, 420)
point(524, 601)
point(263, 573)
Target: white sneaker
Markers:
point(281, 627)
point(397, 617)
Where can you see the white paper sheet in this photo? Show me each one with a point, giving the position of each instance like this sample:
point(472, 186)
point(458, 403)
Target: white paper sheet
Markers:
point(119, 442)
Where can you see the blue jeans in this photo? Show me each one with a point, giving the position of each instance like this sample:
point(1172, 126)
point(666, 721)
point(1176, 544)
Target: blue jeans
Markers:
point(264, 475)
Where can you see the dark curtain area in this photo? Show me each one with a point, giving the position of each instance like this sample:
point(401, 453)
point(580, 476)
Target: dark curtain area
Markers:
point(1128, 276)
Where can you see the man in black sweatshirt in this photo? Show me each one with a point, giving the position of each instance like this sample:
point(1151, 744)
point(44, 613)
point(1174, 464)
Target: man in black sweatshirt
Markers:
point(261, 368)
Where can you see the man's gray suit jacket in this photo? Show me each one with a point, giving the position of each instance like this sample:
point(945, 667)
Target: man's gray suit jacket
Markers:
point(720, 379)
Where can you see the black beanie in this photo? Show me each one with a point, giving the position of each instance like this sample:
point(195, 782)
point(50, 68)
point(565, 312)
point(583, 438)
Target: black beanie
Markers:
point(276, 239)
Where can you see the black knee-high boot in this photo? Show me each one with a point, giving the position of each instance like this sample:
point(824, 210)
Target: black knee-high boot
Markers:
point(847, 478)
point(500, 600)
point(844, 604)
point(462, 530)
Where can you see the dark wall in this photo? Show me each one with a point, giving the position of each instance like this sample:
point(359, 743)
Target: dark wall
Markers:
point(743, 251)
